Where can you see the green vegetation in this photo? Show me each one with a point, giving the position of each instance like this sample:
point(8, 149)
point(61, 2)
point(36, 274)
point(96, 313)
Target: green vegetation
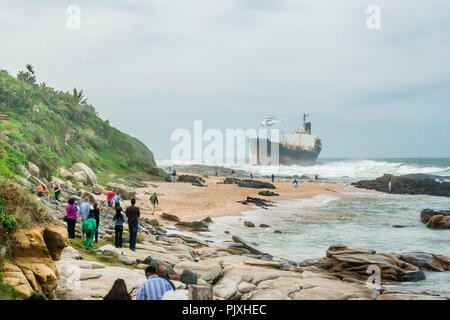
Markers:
point(7, 292)
point(109, 259)
point(53, 128)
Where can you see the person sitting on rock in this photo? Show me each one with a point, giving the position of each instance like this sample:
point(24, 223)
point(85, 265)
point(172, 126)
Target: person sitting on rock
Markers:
point(154, 287)
point(154, 201)
point(119, 219)
point(118, 291)
point(89, 228)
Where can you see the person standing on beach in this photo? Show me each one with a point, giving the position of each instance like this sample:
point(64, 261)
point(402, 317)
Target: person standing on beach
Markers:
point(154, 201)
point(273, 178)
point(251, 175)
point(109, 198)
point(71, 218)
point(295, 183)
point(118, 226)
point(56, 190)
point(316, 178)
point(154, 287)
point(133, 213)
point(89, 228)
point(85, 208)
point(96, 213)
point(174, 175)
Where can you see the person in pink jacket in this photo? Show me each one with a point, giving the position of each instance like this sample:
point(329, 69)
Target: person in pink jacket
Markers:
point(71, 218)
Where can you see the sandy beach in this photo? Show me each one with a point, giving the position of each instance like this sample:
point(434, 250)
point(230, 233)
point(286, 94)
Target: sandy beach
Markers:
point(192, 203)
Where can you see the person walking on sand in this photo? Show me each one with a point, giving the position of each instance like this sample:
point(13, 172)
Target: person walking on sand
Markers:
point(109, 198)
point(118, 226)
point(390, 185)
point(133, 213)
point(96, 213)
point(118, 291)
point(154, 287)
point(174, 176)
point(154, 201)
point(71, 218)
point(116, 199)
point(56, 190)
point(89, 228)
point(295, 183)
point(273, 178)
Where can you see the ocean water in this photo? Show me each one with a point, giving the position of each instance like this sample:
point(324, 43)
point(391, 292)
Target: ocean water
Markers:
point(356, 219)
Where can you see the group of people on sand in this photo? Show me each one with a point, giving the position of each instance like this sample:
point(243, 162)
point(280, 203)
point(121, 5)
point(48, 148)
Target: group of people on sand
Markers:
point(156, 286)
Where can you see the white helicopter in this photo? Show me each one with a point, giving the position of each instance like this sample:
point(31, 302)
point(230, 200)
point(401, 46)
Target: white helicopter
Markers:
point(270, 121)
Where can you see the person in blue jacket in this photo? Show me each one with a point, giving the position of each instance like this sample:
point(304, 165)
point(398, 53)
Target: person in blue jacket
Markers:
point(174, 174)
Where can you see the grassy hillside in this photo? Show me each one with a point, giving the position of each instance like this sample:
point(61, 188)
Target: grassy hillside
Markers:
point(52, 128)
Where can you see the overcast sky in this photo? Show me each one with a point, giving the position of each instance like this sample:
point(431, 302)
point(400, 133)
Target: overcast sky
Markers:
point(153, 66)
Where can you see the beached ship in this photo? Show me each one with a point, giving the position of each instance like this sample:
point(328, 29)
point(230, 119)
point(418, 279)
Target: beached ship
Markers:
point(298, 148)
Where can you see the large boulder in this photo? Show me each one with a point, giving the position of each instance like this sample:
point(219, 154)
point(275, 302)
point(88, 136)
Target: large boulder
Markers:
point(91, 178)
point(80, 177)
point(24, 182)
point(193, 226)
point(98, 190)
point(33, 169)
point(439, 222)
point(34, 251)
point(409, 184)
point(353, 263)
point(125, 192)
point(63, 173)
point(209, 271)
point(435, 219)
point(249, 183)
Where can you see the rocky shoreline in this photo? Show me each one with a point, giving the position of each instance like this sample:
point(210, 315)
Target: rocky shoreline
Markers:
point(44, 261)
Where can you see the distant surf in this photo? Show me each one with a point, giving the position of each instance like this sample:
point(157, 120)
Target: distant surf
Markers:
point(344, 170)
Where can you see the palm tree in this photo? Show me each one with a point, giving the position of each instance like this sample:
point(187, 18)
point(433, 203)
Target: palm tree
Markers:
point(28, 76)
point(79, 97)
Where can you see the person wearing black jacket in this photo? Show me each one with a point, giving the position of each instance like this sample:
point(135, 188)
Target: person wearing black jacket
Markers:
point(96, 213)
point(133, 213)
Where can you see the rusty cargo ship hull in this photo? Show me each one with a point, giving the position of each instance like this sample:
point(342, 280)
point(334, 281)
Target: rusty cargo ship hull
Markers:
point(261, 154)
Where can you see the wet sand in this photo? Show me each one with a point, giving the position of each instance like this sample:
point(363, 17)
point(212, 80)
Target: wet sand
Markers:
point(192, 203)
